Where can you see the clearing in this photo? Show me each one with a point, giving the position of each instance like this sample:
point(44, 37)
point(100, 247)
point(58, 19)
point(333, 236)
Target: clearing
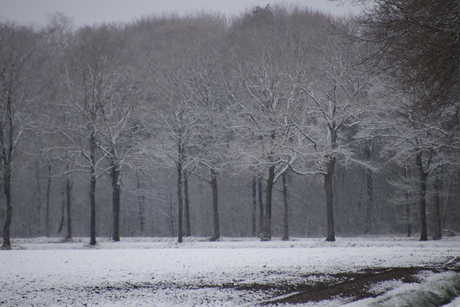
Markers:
point(364, 271)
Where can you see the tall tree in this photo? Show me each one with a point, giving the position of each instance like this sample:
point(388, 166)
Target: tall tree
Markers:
point(205, 79)
point(173, 119)
point(413, 138)
point(120, 131)
point(334, 98)
point(19, 82)
point(91, 87)
point(419, 42)
point(263, 95)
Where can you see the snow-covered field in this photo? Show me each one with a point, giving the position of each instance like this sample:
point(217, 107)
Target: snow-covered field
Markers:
point(232, 272)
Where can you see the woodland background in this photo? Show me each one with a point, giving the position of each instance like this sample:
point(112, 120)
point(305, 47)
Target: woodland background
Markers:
point(276, 122)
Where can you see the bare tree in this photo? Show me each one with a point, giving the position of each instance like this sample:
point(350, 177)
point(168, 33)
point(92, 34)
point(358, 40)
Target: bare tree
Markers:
point(19, 81)
point(119, 131)
point(184, 72)
point(209, 97)
point(264, 97)
point(414, 140)
point(334, 99)
point(418, 42)
point(92, 89)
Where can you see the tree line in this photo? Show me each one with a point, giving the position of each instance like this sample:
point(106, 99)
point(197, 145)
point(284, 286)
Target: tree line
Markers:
point(279, 121)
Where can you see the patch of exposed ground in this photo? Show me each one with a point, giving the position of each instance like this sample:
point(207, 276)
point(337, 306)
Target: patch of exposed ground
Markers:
point(350, 286)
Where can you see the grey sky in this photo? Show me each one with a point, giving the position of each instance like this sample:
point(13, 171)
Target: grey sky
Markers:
point(96, 11)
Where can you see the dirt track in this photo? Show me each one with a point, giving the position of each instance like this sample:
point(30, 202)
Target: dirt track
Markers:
point(352, 286)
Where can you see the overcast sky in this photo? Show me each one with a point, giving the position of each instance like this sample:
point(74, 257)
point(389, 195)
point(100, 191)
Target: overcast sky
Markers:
point(96, 11)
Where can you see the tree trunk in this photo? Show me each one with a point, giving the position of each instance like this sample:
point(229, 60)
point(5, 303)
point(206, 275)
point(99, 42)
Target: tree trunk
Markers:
point(171, 214)
point(446, 205)
point(9, 206)
point(370, 223)
point(48, 192)
point(92, 190)
point(423, 226)
point(181, 204)
point(436, 210)
point(38, 199)
point(369, 226)
point(261, 205)
point(141, 201)
point(69, 208)
point(286, 209)
point(409, 226)
point(7, 146)
point(328, 187)
point(62, 222)
point(215, 208)
point(188, 229)
point(116, 193)
point(267, 234)
point(254, 206)
point(423, 181)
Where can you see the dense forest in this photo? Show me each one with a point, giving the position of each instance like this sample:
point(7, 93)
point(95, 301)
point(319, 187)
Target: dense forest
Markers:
point(279, 122)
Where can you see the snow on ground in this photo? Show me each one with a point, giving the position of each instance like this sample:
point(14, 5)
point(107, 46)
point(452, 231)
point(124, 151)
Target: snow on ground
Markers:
point(161, 272)
point(432, 290)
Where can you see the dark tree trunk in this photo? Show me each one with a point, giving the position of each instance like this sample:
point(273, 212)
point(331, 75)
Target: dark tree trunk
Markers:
point(116, 193)
point(267, 234)
point(141, 201)
point(286, 208)
point(446, 204)
point(328, 187)
point(369, 229)
point(436, 210)
point(409, 225)
point(69, 207)
point(423, 189)
point(171, 215)
point(92, 190)
point(181, 204)
point(215, 206)
point(260, 197)
point(48, 192)
point(7, 147)
point(188, 229)
point(62, 222)
point(9, 206)
point(369, 226)
point(423, 225)
point(254, 207)
point(39, 199)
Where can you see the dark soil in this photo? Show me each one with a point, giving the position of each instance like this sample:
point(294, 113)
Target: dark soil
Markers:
point(351, 286)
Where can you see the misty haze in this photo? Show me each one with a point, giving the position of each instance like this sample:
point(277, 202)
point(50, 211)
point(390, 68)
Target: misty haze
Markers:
point(278, 156)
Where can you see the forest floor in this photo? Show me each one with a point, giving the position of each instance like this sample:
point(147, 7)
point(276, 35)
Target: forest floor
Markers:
point(363, 271)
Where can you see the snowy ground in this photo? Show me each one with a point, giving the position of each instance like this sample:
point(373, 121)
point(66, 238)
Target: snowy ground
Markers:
point(232, 272)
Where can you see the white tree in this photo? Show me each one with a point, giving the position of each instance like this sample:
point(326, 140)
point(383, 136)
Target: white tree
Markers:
point(264, 96)
point(211, 136)
point(413, 138)
point(334, 98)
point(98, 104)
point(181, 71)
